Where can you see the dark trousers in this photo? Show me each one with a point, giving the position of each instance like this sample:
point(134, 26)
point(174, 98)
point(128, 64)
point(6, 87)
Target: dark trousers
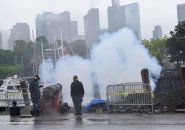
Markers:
point(36, 104)
point(77, 101)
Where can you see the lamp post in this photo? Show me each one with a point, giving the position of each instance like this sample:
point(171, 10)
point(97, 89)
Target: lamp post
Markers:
point(22, 63)
point(15, 60)
point(180, 58)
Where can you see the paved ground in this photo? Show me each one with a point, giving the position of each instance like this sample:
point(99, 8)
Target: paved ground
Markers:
point(95, 122)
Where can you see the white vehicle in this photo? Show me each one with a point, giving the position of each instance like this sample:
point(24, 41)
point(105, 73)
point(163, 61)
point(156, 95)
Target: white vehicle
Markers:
point(10, 85)
point(10, 91)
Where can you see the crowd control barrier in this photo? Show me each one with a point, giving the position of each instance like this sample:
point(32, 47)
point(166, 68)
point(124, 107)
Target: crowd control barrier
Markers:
point(125, 97)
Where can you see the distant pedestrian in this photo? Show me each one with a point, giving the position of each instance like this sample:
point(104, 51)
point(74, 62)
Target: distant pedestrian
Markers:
point(35, 94)
point(77, 93)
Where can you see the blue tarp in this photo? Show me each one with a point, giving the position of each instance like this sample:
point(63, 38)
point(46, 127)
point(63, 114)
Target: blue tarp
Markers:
point(95, 102)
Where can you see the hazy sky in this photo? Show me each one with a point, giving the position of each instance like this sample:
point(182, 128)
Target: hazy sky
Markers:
point(152, 12)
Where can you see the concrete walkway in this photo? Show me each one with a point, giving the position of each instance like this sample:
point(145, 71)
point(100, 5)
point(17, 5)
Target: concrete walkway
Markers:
point(69, 121)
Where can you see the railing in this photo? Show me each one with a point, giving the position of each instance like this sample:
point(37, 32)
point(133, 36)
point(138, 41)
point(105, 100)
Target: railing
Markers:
point(22, 97)
point(129, 94)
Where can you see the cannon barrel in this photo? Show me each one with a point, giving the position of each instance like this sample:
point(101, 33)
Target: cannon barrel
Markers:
point(49, 91)
point(52, 98)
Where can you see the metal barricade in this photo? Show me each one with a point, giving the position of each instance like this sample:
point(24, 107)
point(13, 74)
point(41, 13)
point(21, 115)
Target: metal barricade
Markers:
point(3, 99)
point(6, 98)
point(126, 96)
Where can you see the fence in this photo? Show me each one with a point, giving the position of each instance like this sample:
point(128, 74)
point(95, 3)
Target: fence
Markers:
point(22, 97)
point(127, 96)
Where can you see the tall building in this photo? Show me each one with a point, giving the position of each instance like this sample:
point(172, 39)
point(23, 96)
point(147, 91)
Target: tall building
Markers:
point(1, 41)
point(20, 31)
point(74, 30)
point(53, 31)
point(92, 26)
point(116, 17)
point(157, 32)
point(54, 26)
point(41, 23)
point(124, 16)
point(181, 12)
point(65, 26)
point(132, 16)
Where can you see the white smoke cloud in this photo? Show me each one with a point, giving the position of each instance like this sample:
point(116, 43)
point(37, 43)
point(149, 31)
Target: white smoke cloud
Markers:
point(63, 73)
point(118, 58)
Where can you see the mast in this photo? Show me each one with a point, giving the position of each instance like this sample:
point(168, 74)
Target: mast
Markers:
point(43, 60)
point(57, 50)
point(54, 49)
point(62, 44)
point(34, 55)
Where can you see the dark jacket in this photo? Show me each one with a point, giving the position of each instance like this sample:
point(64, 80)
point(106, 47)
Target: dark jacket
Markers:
point(77, 88)
point(34, 88)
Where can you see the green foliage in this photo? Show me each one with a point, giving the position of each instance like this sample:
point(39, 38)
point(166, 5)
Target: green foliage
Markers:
point(179, 31)
point(156, 47)
point(7, 57)
point(44, 42)
point(79, 48)
point(9, 70)
point(7, 63)
point(24, 52)
point(176, 43)
point(42, 39)
point(23, 48)
point(20, 60)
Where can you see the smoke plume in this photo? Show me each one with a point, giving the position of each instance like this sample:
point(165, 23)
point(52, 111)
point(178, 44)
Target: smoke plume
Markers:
point(118, 58)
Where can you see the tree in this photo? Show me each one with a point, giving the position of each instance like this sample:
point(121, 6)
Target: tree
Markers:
point(44, 41)
point(8, 66)
point(24, 52)
point(156, 47)
point(176, 43)
point(79, 48)
point(9, 70)
point(7, 57)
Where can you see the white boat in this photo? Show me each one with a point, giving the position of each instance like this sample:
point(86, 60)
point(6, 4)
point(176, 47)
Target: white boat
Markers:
point(10, 84)
point(10, 91)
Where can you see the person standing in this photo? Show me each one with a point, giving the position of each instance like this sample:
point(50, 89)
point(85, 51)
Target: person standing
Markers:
point(77, 93)
point(35, 94)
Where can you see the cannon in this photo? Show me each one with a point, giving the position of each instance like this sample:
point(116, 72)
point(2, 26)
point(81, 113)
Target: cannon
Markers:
point(52, 98)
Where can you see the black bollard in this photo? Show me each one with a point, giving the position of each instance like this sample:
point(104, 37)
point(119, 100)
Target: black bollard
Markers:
point(15, 110)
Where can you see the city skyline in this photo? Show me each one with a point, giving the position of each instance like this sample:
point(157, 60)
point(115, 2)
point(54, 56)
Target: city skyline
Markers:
point(151, 12)
point(55, 26)
point(20, 31)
